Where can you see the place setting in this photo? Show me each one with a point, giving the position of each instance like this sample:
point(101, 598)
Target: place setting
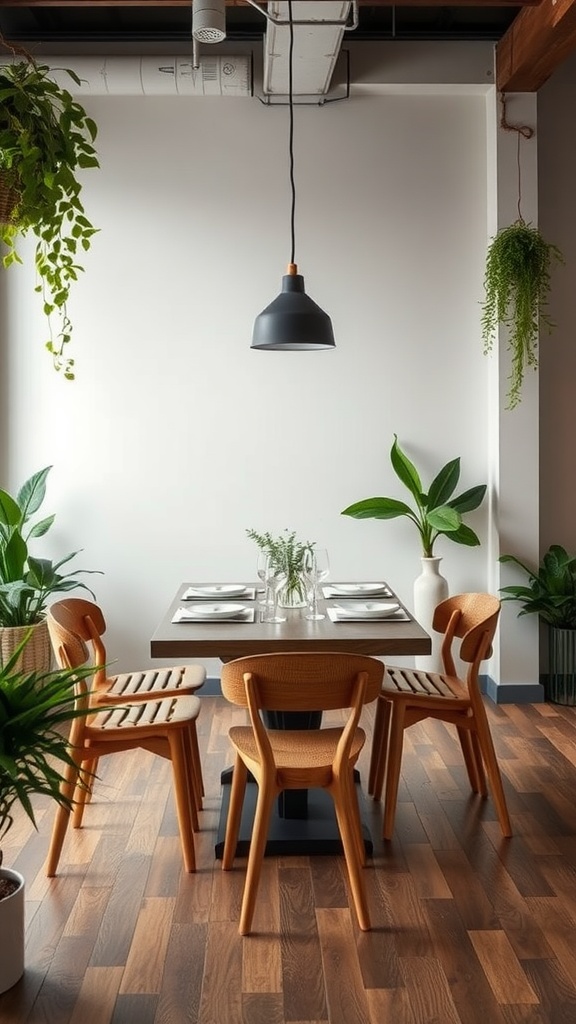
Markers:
point(360, 611)
point(357, 591)
point(219, 592)
point(222, 611)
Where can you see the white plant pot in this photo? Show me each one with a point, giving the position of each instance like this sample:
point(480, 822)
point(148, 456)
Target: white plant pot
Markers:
point(12, 932)
point(430, 588)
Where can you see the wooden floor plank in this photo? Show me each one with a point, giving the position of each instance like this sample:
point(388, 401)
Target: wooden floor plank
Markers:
point(464, 922)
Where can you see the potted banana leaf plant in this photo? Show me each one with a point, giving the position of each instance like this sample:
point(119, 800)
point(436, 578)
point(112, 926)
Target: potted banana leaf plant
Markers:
point(27, 582)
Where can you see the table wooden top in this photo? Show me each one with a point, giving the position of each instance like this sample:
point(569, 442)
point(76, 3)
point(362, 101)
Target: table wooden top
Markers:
point(226, 640)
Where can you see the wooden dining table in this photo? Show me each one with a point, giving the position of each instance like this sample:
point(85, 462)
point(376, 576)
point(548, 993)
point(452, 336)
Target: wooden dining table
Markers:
point(304, 823)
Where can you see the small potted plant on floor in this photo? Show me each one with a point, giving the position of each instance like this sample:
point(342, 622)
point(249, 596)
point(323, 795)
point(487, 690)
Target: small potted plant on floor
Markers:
point(45, 140)
point(34, 707)
point(550, 593)
point(27, 582)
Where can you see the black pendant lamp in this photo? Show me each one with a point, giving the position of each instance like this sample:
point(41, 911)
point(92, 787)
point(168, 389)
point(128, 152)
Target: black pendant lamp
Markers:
point(293, 321)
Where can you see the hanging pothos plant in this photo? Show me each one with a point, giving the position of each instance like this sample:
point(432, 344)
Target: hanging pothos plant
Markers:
point(517, 283)
point(45, 138)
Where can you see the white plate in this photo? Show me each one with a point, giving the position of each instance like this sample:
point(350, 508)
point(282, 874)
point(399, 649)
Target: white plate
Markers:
point(218, 590)
point(218, 611)
point(359, 588)
point(367, 610)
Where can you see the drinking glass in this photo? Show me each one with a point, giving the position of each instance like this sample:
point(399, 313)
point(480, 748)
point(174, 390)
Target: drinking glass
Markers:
point(261, 572)
point(315, 568)
point(275, 578)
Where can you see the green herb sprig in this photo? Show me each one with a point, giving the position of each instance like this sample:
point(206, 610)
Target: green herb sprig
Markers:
point(285, 550)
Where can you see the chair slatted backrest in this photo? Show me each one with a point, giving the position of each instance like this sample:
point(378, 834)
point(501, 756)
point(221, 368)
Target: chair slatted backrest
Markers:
point(473, 618)
point(299, 681)
point(84, 620)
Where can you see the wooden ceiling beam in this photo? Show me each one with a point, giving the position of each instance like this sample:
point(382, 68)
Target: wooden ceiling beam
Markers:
point(244, 3)
point(537, 42)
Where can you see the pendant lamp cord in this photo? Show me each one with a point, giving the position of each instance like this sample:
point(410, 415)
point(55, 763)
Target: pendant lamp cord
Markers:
point(291, 135)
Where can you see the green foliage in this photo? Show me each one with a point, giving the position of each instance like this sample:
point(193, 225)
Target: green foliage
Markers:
point(286, 551)
point(27, 582)
point(45, 138)
point(516, 285)
point(33, 746)
point(435, 513)
point(551, 588)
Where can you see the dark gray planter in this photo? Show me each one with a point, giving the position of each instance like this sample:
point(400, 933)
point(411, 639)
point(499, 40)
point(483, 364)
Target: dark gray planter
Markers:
point(561, 685)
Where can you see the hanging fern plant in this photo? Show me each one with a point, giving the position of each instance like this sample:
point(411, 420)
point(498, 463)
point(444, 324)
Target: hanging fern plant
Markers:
point(516, 284)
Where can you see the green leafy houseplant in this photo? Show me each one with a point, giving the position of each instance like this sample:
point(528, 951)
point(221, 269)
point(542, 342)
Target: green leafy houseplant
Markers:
point(33, 708)
point(435, 512)
point(550, 591)
point(516, 286)
point(286, 550)
point(27, 582)
point(45, 139)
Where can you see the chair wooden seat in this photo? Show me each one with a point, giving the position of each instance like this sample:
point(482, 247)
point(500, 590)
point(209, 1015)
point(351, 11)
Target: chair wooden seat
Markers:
point(165, 726)
point(85, 621)
point(409, 696)
point(295, 758)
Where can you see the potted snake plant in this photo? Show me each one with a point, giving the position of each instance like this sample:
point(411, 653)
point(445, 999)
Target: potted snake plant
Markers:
point(46, 139)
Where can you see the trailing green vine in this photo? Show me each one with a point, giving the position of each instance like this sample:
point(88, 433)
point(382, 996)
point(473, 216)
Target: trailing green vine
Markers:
point(516, 284)
point(45, 138)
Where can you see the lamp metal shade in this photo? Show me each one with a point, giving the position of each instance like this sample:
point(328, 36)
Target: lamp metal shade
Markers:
point(293, 321)
point(209, 20)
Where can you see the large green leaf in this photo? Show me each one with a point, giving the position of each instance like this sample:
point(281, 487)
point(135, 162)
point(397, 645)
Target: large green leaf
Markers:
point(32, 493)
point(9, 510)
point(444, 484)
point(465, 535)
point(378, 508)
point(469, 500)
point(443, 519)
point(406, 470)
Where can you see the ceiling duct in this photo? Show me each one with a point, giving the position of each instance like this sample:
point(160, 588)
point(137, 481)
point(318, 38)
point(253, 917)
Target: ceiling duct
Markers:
point(219, 75)
point(318, 34)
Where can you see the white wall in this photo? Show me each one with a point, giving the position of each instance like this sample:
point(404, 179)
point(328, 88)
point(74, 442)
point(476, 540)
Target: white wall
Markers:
point(175, 436)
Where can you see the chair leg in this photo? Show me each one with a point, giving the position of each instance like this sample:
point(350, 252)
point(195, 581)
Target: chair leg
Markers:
point(393, 765)
point(376, 746)
point(355, 817)
point(191, 781)
point(267, 793)
point(70, 774)
point(182, 796)
point(197, 763)
point(237, 791)
point(473, 766)
point(83, 790)
point(493, 771)
point(482, 788)
point(345, 816)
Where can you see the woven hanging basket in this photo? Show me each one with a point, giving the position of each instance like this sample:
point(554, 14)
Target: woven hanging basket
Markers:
point(9, 198)
point(37, 655)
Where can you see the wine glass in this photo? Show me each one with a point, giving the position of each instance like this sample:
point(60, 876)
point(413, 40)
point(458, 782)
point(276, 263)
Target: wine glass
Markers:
point(315, 568)
point(275, 578)
point(261, 573)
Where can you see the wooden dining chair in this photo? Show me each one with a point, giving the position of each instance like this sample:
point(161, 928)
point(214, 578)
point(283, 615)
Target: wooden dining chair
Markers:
point(161, 725)
point(85, 621)
point(409, 696)
point(281, 759)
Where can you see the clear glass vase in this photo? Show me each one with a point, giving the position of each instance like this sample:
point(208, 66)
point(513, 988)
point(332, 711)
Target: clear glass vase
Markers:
point(293, 595)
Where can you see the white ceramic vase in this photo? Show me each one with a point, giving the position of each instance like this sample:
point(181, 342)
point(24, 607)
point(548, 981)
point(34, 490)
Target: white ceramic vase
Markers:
point(12, 932)
point(430, 588)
